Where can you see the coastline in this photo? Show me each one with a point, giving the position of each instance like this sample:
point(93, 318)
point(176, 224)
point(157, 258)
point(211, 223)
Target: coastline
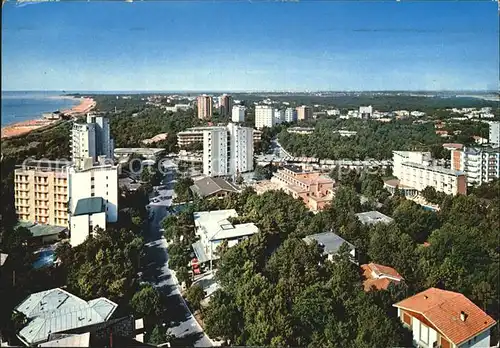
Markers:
point(24, 127)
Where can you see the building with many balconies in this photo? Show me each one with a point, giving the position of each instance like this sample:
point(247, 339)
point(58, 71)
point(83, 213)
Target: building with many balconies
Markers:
point(480, 164)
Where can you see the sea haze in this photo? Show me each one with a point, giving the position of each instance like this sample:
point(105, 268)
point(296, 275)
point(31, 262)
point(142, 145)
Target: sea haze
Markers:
point(21, 106)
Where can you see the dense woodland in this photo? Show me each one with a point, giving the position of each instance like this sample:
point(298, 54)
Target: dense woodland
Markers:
point(277, 290)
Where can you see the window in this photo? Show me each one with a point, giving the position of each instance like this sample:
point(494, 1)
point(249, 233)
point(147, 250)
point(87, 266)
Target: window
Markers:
point(424, 333)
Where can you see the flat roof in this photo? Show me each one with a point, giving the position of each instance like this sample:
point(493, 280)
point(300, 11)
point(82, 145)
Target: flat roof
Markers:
point(56, 310)
point(90, 205)
point(138, 150)
point(373, 217)
point(437, 169)
point(215, 226)
point(40, 230)
point(329, 240)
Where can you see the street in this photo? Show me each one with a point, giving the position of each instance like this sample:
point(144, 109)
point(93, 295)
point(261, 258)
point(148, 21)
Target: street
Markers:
point(177, 317)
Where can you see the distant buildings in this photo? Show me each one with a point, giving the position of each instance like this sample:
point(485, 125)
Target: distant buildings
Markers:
point(441, 318)
point(300, 130)
point(480, 164)
point(415, 171)
point(494, 138)
point(91, 140)
point(264, 116)
point(290, 115)
point(41, 192)
point(57, 311)
point(365, 111)
point(315, 190)
point(278, 116)
point(213, 228)
point(225, 105)
point(304, 113)
point(238, 113)
point(346, 133)
point(205, 107)
point(227, 151)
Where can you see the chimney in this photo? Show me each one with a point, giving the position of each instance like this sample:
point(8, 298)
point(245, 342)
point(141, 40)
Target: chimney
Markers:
point(426, 297)
point(463, 316)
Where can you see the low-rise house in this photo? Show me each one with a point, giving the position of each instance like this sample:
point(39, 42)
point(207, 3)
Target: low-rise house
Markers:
point(331, 244)
point(56, 311)
point(447, 319)
point(379, 277)
point(42, 233)
point(213, 187)
point(155, 139)
point(213, 228)
point(373, 217)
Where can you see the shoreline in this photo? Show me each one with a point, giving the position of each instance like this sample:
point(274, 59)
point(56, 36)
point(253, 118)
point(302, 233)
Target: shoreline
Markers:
point(24, 127)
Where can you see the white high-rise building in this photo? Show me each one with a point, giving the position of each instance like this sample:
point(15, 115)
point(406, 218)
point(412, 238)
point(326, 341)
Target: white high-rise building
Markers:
point(365, 111)
point(479, 164)
point(290, 115)
point(494, 134)
point(91, 140)
point(227, 151)
point(264, 116)
point(279, 116)
point(241, 149)
point(238, 113)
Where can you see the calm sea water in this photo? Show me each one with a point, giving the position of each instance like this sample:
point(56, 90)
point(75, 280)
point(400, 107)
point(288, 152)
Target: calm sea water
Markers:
point(24, 106)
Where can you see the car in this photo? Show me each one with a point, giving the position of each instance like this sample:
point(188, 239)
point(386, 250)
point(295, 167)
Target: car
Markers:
point(162, 230)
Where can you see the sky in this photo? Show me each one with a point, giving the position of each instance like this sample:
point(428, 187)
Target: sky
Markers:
point(250, 45)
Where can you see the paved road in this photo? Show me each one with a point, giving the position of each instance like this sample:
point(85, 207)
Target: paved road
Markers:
point(177, 315)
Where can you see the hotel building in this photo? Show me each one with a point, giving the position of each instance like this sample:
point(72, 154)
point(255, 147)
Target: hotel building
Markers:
point(205, 106)
point(238, 113)
point(195, 135)
point(225, 105)
point(41, 192)
point(290, 115)
point(264, 116)
point(313, 188)
point(304, 113)
point(480, 164)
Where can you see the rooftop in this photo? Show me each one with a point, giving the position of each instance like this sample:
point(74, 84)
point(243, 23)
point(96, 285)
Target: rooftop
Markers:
point(443, 310)
point(207, 186)
point(373, 217)
point(90, 205)
point(329, 241)
point(69, 340)
point(215, 226)
point(379, 276)
point(3, 258)
point(44, 165)
point(56, 310)
point(437, 169)
point(40, 230)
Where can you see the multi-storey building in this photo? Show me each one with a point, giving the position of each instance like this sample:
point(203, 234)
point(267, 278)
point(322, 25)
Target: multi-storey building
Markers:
point(41, 192)
point(205, 106)
point(195, 135)
point(225, 105)
point(290, 115)
point(264, 116)
point(227, 151)
point(238, 113)
point(313, 188)
point(365, 111)
point(480, 164)
point(304, 113)
point(278, 116)
point(415, 171)
point(494, 139)
point(91, 140)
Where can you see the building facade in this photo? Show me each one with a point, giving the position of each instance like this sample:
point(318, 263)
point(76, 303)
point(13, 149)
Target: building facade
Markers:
point(365, 111)
point(494, 138)
point(264, 116)
point(290, 115)
point(205, 107)
point(304, 113)
point(238, 113)
point(480, 164)
point(279, 116)
point(195, 135)
point(225, 105)
point(89, 214)
point(96, 181)
point(241, 149)
point(41, 193)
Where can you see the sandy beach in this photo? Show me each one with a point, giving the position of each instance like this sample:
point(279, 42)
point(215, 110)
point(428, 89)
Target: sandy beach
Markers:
point(86, 105)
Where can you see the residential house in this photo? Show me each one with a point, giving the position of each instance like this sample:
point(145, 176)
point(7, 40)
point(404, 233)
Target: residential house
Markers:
point(331, 244)
point(373, 217)
point(379, 277)
point(213, 187)
point(447, 319)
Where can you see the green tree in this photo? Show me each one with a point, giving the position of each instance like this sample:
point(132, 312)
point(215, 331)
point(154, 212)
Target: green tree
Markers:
point(159, 336)
point(195, 295)
point(146, 301)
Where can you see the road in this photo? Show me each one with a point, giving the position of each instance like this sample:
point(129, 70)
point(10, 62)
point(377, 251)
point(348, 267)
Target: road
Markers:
point(278, 149)
point(177, 316)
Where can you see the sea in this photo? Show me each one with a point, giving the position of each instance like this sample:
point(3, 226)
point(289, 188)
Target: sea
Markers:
point(21, 106)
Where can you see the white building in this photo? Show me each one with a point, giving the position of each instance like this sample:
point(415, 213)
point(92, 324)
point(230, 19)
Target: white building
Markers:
point(290, 115)
point(89, 214)
point(441, 318)
point(227, 151)
point(238, 113)
point(333, 112)
point(495, 134)
point(478, 163)
point(264, 116)
point(366, 111)
point(279, 116)
point(415, 171)
point(213, 228)
point(301, 130)
point(91, 140)
point(97, 181)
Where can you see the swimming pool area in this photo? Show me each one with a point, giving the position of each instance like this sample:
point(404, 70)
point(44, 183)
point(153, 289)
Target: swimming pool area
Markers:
point(46, 258)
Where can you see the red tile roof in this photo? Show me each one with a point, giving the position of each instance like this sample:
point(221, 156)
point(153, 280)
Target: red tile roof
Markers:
point(443, 309)
point(381, 280)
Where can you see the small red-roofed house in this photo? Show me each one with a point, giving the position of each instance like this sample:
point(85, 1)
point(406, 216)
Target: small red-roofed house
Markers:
point(447, 319)
point(379, 276)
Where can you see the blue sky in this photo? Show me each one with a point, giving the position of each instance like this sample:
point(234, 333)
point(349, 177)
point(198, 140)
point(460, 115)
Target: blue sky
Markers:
point(250, 45)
